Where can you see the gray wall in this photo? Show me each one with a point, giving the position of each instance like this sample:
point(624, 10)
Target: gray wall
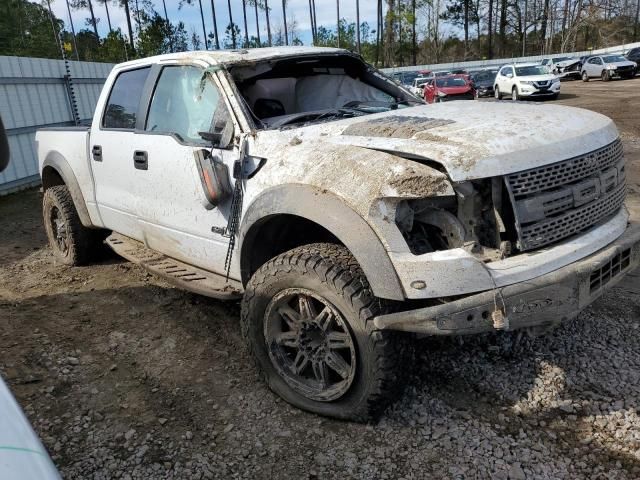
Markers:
point(33, 94)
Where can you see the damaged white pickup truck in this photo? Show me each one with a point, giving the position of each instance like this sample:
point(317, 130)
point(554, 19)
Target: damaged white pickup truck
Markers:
point(345, 213)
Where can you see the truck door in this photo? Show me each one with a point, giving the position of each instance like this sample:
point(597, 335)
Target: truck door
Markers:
point(111, 148)
point(172, 209)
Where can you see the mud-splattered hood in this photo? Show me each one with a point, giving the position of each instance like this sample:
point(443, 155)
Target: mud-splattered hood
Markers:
point(470, 139)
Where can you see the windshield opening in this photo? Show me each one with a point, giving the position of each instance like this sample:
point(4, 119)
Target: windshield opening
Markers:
point(303, 89)
point(531, 70)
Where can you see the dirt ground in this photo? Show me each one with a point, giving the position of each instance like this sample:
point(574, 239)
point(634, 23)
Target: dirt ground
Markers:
point(124, 376)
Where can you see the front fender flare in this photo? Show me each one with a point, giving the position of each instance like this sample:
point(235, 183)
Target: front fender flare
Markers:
point(332, 213)
point(60, 164)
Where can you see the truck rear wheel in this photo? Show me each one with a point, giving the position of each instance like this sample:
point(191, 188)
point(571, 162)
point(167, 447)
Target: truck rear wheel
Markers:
point(307, 318)
point(71, 242)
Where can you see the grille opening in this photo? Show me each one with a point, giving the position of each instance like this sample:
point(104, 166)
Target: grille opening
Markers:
point(562, 173)
point(614, 267)
point(556, 201)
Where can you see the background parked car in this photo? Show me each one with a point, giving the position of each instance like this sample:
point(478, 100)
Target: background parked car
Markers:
point(526, 81)
point(451, 87)
point(483, 82)
point(418, 86)
point(553, 64)
point(608, 67)
point(633, 55)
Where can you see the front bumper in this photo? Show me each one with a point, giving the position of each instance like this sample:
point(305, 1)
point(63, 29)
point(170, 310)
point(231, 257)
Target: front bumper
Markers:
point(533, 91)
point(549, 299)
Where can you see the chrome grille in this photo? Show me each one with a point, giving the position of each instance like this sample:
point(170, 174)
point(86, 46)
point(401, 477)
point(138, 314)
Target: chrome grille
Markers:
point(556, 201)
point(557, 174)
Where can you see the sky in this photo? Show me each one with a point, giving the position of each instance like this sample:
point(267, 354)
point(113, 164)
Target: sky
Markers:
point(190, 15)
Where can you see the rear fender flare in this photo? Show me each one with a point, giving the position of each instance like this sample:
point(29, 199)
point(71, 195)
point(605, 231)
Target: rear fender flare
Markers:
point(60, 164)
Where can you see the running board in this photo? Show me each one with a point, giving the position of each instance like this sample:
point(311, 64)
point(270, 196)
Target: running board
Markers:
point(173, 271)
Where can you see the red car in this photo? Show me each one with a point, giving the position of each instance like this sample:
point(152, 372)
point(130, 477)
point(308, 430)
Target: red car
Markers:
point(451, 87)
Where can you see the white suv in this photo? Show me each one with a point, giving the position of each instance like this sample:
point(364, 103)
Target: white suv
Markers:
point(526, 80)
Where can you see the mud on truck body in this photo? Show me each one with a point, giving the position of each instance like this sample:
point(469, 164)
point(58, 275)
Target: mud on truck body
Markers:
point(345, 213)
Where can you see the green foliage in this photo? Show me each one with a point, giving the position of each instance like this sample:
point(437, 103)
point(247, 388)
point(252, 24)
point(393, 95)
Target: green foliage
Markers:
point(26, 30)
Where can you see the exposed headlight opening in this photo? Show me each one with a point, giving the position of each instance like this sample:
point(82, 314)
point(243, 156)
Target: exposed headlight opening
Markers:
point(472, 220)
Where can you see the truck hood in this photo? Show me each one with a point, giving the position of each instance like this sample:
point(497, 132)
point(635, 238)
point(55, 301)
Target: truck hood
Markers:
point(469, 139)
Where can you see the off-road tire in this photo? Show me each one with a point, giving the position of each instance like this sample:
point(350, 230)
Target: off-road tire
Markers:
point(83, 243)
point(585, 77)
point(330, 271)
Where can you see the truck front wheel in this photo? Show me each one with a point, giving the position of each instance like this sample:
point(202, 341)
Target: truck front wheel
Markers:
point(307, 318)
point(71, 242)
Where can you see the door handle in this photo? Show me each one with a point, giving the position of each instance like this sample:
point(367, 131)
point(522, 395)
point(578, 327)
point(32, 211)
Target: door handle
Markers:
point(96, 152)
point(140, 160)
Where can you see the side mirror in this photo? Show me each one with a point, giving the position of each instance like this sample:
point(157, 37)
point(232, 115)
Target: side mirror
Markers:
point(509, 75)
point(214, 177)
point(4, 148)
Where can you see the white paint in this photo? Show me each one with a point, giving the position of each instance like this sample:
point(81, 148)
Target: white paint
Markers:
point(22, 456)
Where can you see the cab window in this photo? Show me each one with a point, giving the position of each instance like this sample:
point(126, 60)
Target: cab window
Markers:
point(186, 103)
point(122, 106)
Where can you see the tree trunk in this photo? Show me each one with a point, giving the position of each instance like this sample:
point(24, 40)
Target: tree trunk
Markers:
point(215, 26)
point(490, 33)
point(233, 30)
point(466, 28)
point(266, 9)
point(255, 5)
point(358, 25)
point(166, 19)
point(106, 7)
point(378, 31)
point(524, 29)
point(338, 24)
point(313, 31)
point(246, 29)
point(138, 18)
point(503, 26)
point(204, 30)
point(127, 13)
point(636, 28)
point(414, 45)
point(73, 32)
point(94, 23)
point(284, 19)
point(389, 34)
point(543, 25)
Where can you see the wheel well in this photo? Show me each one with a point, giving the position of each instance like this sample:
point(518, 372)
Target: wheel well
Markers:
point(51, 178)
point(277, 234)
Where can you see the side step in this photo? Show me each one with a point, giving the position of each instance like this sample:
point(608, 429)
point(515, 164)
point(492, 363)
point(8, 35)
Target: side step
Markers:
point(173, 271)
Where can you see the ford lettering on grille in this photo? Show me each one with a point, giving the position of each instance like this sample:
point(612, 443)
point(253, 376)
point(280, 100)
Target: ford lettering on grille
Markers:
point(556, 201)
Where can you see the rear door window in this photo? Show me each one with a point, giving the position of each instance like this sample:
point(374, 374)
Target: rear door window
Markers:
point(122, 106)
